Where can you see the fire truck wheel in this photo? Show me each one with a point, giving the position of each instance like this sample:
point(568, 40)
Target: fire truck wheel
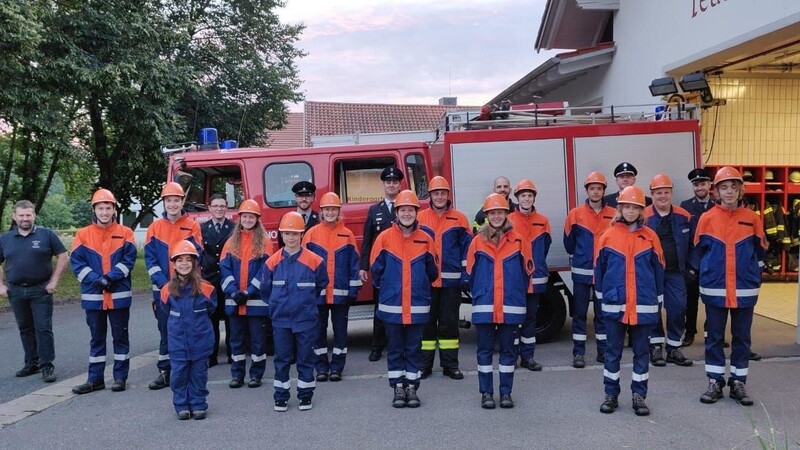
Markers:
point(551, 315)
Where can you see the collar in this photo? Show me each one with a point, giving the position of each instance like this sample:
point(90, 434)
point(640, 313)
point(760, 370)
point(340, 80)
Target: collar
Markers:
point(33, 230)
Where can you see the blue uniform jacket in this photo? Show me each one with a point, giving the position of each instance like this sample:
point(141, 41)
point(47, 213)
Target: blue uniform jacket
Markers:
point(535, 229)
point(109, 251)
point(190, 335)
point(581, 228)
point(451, 237)
point(336, 245)
point(682, 231)
point(292, 285)
point(244, 277)
point(161, 234)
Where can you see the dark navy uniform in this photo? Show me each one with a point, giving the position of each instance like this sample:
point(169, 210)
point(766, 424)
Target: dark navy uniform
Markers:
point(213, 241)
point(310, 217)
point(623, 168)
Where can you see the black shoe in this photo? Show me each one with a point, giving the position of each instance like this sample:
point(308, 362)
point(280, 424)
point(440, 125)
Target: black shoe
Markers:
point(675, 356)
point(739, 393)
point(236, 383)
point(425, 373)
point(399, 400)
point(639, 407)
point(578, 362)
point(506, 402)
point(48, 374)
point(714, 391)
point(305, 404)
point(530, 364)
point(601, 358)
point(657, 356)
point(610, 404)
point(27, 370)
point(687, 340)
point(754, 356)
point(412, 401)
point(375, 354)
point(161, 381)
point(254, 383)
point(88, 387)
point(454, 374)
point(119, 385)
point(212, 361)
point(322, 376)
point(281, 406)
point(487, 401)
point(335, 376)
point(199, 415)
point(184, 415)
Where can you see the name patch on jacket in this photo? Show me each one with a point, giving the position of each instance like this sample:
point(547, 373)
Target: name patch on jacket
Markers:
point(116, 237)
point(747, 224)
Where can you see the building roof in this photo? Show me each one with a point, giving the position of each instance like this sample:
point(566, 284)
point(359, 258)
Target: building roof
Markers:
point(290, 136)
point(575, 23)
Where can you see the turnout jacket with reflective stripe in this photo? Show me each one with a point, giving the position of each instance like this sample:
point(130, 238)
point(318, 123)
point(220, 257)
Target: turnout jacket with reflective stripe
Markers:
point(730, 245)
point(161, 234)
point(336, 245)
point(682, 232)
point(535, 230)
point(237, 276)
point(292, 286)
point(629, 275)
point(451, 235)
point(581, 228)
point(404, 269)
point(109, 251)
point(190, 335)
point(499, 276)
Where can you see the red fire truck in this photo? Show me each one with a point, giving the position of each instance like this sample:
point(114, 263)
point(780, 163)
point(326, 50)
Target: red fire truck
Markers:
point(555, 149)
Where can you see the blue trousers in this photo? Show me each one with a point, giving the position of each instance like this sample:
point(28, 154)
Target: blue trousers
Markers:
point(404, 353)
point(33, 310)
point(741, 321)
point(286, 341)
point(241, 327)
point(504, 335)
point(163, 350)
point(641, 357)
point(188, 381)
point(583, 294)
point(339, 316)
point(98, 321)
point(675, 305)
point(527, 335)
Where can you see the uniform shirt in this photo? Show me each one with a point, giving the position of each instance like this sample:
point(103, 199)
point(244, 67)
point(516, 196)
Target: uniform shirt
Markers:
point(696, 208)
point(212, 248)
point(29, 259)
point(336, 245)
point(99, 251)
point(581, 227)
point(451, 237)
point(535, 231)
point(242, 272)
point(292, 285)
point(161, 235)
point(664, 231)
point(190, 335)
point(379, 218)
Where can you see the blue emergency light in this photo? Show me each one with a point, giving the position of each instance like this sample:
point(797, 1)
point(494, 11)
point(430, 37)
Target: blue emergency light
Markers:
point(208, 139)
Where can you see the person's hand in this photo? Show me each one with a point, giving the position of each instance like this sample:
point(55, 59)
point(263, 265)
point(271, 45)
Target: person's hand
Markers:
point(364, 275)
point(240, 297)
point(51, 287)
point(3, 290)
point(103, 283)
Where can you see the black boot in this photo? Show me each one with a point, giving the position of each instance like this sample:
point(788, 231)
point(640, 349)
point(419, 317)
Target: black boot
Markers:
point(412, 401)
point(639, 407)
point(399, 400)
point(610, 404)
point(714, 391)
point(91, 386)
point(739, 393)
point(161, 381)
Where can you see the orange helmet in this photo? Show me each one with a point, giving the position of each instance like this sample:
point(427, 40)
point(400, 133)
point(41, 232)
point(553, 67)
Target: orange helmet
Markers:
point(661, 181)
point(438, 183)
point(103, 195)
point(172, 189)
point(595, 177)
point(406, 198)
point(330, 200)
point(525, 185)
point(727, 173)
point(632, 195)
point(292, 221)
point(250, 206)
point(495, 201)
point(182, 248)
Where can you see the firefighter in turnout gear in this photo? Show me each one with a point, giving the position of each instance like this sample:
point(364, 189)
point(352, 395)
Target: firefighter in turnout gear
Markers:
point(103, 255)
point(451, 237)
point(534, 228)
point(404, 267)
point(730, 245)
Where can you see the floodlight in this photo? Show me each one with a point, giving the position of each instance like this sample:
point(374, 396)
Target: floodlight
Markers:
point(663, 86)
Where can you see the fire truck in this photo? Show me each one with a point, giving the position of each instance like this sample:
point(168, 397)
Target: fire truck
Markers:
point(554, 147)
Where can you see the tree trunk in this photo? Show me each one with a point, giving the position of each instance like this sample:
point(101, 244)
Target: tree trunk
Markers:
point(104, 163)
point(26, 180)
point(141, 215)
point(7, 168)
point(49, 180)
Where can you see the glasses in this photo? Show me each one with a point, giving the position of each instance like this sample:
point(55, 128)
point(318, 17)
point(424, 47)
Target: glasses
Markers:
point(219, 206)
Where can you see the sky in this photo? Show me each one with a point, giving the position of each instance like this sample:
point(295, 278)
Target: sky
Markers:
point(414, 51)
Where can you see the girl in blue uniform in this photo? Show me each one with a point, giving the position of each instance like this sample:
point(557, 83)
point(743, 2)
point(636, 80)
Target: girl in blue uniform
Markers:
point(188, 303)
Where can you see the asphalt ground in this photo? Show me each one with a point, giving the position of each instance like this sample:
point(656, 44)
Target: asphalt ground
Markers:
point(555, 408)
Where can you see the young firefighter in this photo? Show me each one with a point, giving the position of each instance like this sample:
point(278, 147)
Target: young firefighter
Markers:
point(629, 280)
point(535, 230)
point(499, 267)
point(103, 255)
point(242, 260)
point(175, 226)
point(336, 244)
point(188, 301)
point(451, 235)
point(403, 267)
point(673, 226)
point(583, 224)
point(292, 282)
point(731, 246)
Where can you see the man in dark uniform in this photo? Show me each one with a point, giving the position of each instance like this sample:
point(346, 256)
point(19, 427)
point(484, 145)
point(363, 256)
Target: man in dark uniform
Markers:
point(215, 233)
point(304, 197)
point(625, 173)
point(501, 186)
point(379, 218)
